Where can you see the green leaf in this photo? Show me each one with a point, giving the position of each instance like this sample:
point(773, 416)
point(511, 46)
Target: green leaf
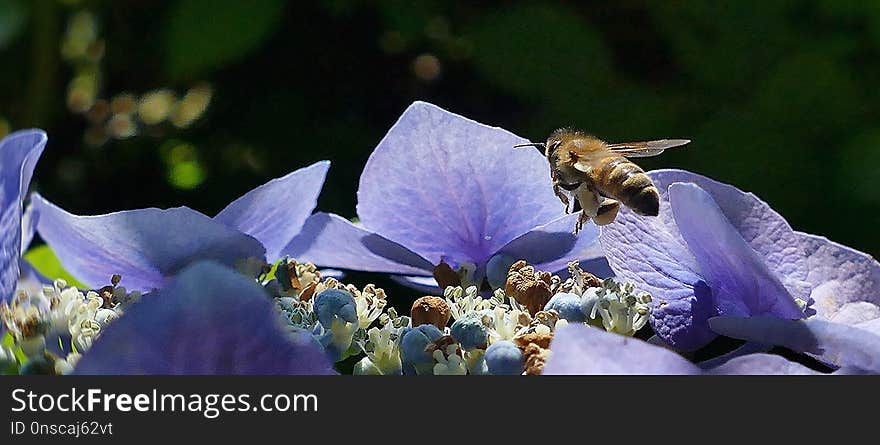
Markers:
point(44, 260)
point(202, 35)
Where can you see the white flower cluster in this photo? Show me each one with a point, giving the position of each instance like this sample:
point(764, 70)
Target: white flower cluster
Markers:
point(50, 327)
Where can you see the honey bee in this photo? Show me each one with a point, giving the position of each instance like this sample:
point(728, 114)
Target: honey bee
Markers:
point(599, 175)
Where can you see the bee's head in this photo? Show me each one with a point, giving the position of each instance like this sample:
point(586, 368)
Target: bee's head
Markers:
point(549, 148)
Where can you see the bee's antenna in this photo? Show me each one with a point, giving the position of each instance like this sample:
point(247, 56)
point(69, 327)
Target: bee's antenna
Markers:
point(540, 145)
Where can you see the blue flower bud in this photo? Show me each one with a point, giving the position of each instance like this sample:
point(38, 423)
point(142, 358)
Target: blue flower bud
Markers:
point(470, 332)
point(335, 302)
point(504, 358)
point(570, 307)
point(337, 312)
point(412, 348)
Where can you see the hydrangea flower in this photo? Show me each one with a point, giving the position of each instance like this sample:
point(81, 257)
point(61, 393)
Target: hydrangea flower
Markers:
point(441, 188)
point(148, 246)
point(849, 348)
point(713, 250)
point(579, 349)
point(19, 153)
point(207, 320)
point(53, 325)
point(844, 332)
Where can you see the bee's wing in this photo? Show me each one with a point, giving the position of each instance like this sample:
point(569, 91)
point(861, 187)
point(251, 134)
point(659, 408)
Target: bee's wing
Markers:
point(645, 149)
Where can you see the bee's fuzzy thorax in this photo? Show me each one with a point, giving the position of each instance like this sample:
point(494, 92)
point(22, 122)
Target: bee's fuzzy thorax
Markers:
point(567, 135)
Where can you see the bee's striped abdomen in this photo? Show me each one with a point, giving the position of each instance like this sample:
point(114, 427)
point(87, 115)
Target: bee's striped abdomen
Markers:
point(618, 178)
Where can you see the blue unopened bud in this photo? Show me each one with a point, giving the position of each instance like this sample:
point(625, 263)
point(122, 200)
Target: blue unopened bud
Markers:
point(570, 307)
point(337, 312)
point(335, 303)
point(412, 348)
point(504, 358)
point(470, 332)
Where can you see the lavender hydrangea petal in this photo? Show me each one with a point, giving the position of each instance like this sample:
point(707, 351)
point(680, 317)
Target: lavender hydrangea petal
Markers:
point(444, 185)
point(650, 253)
point(740, 281)
point(275, 212)
point(846, 282)
point(872, 326)
point(28, 227)
point(683, 323)
point(579, 349)
point(765, 230)
point(332, 241)
point(145, 246)
point(552, 246)
point(209, 320)
point(832, 343)
point(19, 153)
point(762, 364)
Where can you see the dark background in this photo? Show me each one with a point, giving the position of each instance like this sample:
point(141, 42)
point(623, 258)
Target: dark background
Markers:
point(779, 97)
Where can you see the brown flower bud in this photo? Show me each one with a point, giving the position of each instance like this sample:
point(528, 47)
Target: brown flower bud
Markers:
point(536, 350)
point(540, 340)
point(536, 357)
point(528, 287)
point(446, 276)
point(430, 310)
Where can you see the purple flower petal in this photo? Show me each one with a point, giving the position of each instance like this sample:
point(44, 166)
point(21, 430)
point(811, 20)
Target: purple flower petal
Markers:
point(833, 343)
point(762, 364)
point(683, 323)
point(275, 212)
point(579, 349)
point(650, 253)
point(332, 241)
point(145, 246)
point(765, 230)
point(19, 153)
point(447, 187)
point(740, 281)
point(552, 246)
point(872, 326)
point(28, 227)
point(846, 282)
point(209, 320)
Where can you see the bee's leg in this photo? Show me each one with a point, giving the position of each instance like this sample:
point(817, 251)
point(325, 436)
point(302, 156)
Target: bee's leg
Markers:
point(562, 196)
point(582, 219)
point(607, 212)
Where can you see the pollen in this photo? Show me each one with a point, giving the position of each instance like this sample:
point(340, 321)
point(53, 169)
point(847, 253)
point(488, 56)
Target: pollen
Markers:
point(528, 287)
point(430, 310)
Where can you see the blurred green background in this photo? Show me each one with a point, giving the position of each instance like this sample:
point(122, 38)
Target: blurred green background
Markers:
point(164, 103)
